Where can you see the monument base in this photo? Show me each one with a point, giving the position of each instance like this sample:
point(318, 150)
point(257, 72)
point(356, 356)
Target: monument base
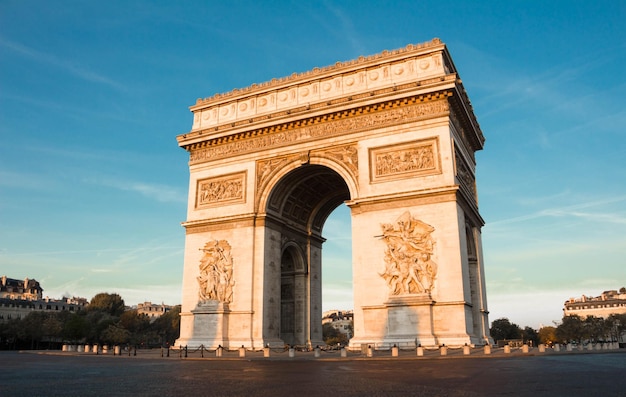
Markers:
point(209, 326)
point(411, 320)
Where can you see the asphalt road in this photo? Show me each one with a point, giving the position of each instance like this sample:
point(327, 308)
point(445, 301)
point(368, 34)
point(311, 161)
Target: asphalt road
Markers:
point(566, 374)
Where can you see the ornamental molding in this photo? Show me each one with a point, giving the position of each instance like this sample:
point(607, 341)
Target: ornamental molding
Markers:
point(369, 117)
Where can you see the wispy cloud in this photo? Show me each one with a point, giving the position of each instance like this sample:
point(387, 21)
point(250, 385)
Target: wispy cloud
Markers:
point(158, 192)
point(572, 211)
point(60, 63)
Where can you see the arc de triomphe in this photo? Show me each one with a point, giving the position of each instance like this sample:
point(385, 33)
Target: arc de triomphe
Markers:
point(393, 136)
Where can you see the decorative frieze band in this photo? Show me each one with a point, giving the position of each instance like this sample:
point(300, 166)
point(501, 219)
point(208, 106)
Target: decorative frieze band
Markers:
point(341, 123)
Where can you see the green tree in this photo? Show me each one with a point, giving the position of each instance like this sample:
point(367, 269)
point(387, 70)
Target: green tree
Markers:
point(530, 336)
point(116, 335)
point(113, 304)
point(333, 336)
point(547, 335)
point(97, 322)
point(616, 326)
point(503, 329)
point(571, 329)
point(167, 327)
point(75, 327)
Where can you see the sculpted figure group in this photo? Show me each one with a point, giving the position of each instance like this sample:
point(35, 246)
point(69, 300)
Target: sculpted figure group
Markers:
point(409, 268)
point(216, 273)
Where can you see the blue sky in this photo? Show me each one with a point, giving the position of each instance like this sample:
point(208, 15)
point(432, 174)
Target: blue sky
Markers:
point(92, 95)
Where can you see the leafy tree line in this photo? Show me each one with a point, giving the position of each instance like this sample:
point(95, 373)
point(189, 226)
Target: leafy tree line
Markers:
point(104, 321)
point(572, 329)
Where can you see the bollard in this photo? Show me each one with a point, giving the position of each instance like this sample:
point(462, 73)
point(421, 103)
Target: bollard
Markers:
point(507, 349)
point(219, 351)
point(466, 350)
point(542, 348)
point(105, 349)
point(525, 348)
point(394, 351)
point(80, 348)
point(590, 346)
point(87, 349)
point(94, 349)
point(568, 347)
point(292, 352)
point(242, 351)
point(317, 352)
point(420, 351)
point(557, 347)
point(64, 348)
point(370, 351)
point(487, 349)
point(185, 351)
point(443, 350)
point(344, 352)
point(266, 351)
point(117, 350)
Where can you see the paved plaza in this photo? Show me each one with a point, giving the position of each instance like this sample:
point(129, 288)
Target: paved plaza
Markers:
point(148, 374)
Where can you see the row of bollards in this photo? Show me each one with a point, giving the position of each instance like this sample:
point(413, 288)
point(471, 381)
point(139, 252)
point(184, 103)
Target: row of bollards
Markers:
point(97, 349)
point(367, 350)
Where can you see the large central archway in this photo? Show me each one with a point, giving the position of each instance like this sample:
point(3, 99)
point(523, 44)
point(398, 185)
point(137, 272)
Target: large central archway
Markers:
point(299, 205)
point(392, 136)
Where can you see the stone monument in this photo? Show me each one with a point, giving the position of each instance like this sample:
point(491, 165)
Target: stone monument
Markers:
point(393, 136)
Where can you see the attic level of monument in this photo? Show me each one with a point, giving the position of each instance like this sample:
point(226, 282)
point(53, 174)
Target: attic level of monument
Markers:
point(363, 86)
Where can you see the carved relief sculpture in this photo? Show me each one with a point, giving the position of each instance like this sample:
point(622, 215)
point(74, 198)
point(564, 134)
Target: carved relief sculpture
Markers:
point(220, 190)
point(409, 268)
point(216, 273)
point(347, 155)
point(406, 160)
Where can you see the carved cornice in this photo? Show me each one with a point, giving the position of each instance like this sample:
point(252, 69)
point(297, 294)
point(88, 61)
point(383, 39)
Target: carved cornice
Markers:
point(213, 224)
point(404, 200)
point(400, 111)
point(362, 61)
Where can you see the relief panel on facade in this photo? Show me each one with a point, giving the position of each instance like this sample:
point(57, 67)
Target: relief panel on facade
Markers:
point(464, 175)
point(224, 189)
point(346, 155)
point(216, 273)
point(404, 160)
point(409, 265)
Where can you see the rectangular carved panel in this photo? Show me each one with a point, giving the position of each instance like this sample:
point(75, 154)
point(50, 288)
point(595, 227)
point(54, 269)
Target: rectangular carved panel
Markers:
point(405, 160)
point(221, 190)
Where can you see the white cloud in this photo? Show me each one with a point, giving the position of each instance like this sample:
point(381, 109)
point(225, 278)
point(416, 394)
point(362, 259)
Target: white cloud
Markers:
point(63, 64)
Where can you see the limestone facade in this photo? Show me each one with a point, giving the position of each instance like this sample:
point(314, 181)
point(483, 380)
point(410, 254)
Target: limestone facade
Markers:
point(393, 136)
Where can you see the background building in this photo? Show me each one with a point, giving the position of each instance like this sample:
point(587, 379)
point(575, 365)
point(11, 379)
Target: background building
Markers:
point(153, 310)
point(341, 320)
point(609, 302)
point(18, 298)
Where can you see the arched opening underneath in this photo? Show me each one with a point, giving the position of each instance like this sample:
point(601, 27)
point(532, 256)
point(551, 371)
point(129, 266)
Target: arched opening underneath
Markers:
point(337, 261)
point(298, 208)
